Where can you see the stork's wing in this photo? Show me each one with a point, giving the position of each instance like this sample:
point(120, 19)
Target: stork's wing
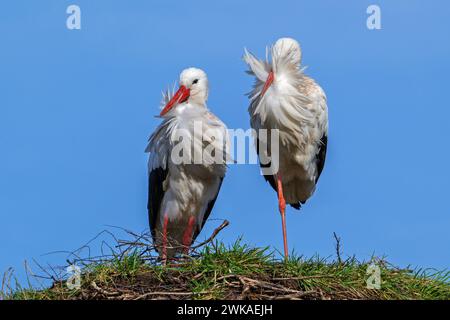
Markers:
point(155, 196)
point(157, 172)
point(320, 160)
point(321, 155)
point(207, 212)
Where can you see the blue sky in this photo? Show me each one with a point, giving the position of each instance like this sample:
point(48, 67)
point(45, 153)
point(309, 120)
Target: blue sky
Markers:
point(77, 107)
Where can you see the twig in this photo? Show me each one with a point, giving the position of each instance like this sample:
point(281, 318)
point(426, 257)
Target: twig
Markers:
point(246, 287)
point(227, 276)
point(213, 235)
point(161, 293)
point(103, 291)
point(338, 247)
point(294, 296)
point(49, 276)
point(267, 285)
point(305, 277)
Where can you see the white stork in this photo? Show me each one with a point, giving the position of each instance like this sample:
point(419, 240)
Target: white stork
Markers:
point(284, 98)
point(182, 194)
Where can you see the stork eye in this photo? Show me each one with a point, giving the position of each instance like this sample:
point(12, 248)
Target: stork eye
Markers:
point(195, 81)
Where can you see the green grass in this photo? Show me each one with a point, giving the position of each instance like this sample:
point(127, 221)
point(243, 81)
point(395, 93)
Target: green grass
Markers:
point(243, 272)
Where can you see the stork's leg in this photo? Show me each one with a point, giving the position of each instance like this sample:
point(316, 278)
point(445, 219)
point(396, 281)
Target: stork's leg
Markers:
point(187, 236)
point(164, 239)
point(282, 207)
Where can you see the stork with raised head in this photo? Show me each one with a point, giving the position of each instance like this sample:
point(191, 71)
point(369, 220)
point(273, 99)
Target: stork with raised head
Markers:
point(284, 98)
point(182, 191)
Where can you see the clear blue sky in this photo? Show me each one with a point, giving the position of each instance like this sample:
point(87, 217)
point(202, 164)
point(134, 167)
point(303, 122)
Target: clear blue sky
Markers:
point(77, 107)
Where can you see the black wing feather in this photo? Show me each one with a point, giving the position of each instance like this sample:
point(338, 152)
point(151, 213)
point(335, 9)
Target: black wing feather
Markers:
point(321, 155)
point(155, 196)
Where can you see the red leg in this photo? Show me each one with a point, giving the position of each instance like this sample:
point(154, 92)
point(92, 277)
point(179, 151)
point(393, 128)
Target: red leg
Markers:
point(164, 239)
point(187, 236)
point(282, 207)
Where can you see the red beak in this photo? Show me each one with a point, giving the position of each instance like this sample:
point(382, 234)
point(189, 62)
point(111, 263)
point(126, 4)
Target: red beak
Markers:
point(268, 83)
point(179, 97)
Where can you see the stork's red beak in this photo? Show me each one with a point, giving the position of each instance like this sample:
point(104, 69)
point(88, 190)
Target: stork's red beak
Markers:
point(268, 83)
point(179, 97)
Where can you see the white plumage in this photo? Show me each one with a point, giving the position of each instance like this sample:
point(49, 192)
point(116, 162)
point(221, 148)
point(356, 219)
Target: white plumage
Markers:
point(284, 98)
point(181, 195)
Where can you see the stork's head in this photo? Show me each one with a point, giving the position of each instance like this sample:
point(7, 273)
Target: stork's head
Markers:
point(287, 48)
point(193, 88)
point(286, 52)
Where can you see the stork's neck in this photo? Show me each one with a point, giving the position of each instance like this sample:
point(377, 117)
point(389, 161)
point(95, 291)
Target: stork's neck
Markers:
point(198, 98)
point(190, 109)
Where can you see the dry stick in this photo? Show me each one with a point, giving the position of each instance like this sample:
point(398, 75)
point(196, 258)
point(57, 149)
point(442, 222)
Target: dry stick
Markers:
point(145, 295)
point(305, 277)
point(338, 247)
point(227, 276)
point(49, 275)
point(122, 243)
point(103, 291)
point(214, 234)
point(277, 279)
point(266, 285)
point(294, 296)
point(246, 287)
